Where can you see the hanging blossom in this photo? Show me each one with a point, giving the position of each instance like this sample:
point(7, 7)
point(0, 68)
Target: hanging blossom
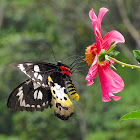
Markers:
point(111, 82)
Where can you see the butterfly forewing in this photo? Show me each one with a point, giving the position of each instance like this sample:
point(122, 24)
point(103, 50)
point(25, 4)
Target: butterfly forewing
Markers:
point(37, 71)
point(29, 96)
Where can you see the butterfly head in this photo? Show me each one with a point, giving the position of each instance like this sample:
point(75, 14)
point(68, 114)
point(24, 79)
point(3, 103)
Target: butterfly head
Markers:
point(59, 63)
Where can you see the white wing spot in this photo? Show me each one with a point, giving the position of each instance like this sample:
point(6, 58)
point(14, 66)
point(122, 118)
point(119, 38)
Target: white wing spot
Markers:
point(32, 105)
point(59, 91)
point(20, 89)
point(24, 71)
point(36, 86)
point(35, 74)
point(27, 105)
point(43, 104)
point(40, 77)
point(57, 86)
point(35, 94)
point(36, 68)
point(22, 103)
point(38, 106)
point(40, 95)
point(21, 67)
point(19, 93)
point(43, 85)
point(38, 83)
point(28, 64)
point(33, 79)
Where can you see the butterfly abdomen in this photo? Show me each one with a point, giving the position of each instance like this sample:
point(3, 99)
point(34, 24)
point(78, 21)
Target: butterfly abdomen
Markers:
point(72, 90)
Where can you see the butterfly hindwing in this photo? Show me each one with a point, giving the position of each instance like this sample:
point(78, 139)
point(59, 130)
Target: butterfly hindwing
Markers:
point(63, 107)
point(29, 96)
point(61, 112)
point(37, 71)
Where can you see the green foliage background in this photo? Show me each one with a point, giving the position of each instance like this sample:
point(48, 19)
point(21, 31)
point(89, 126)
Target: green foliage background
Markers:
point(25, 25)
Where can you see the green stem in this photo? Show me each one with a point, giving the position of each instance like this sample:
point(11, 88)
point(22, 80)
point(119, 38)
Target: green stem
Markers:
point(124, 64)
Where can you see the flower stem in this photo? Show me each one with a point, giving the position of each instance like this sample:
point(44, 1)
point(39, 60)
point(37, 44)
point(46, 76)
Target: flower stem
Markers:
point(124, 64)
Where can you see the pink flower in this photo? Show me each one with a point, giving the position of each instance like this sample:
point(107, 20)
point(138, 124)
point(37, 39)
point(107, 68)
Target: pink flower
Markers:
point(111, 82)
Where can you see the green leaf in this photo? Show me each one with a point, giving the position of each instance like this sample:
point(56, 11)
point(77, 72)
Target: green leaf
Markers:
point(112, 44)
point(111, 47)
point(137, 55)
point(113, 53)
point(131, 115)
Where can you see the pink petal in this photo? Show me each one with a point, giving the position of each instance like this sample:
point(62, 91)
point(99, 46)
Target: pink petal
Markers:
point(105, 99)
point(93, 70)
point(116, 98)
point(112, 61)
point(98, 38)
point(95, 20)
point(111, 83)
point(106, 62)
point(89, 82)
point(96, 23)
point(111, 37)
point(101, 14)
point(93, 17)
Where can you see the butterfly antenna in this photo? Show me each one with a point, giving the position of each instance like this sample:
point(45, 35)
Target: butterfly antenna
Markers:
point(81, 66)
point(72, 66)
point(83, 60)
point(76, 71)
point(51, 49)
point(76, 60)
point(71, 57)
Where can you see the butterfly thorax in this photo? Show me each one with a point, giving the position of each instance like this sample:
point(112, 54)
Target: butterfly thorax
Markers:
point(64, 69)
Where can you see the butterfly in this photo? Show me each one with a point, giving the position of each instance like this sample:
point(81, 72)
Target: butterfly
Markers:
point(49, 85)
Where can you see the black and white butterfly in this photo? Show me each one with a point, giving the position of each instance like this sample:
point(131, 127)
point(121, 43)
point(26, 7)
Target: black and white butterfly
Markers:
point(48, 85)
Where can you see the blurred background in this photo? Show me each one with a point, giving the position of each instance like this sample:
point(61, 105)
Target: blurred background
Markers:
point(24, 27)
